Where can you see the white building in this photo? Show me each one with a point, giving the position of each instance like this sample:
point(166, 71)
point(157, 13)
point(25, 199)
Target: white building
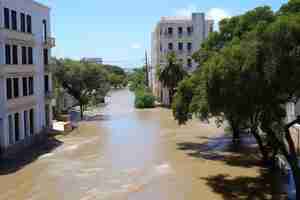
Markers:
point(182, 35)
point(25, 78)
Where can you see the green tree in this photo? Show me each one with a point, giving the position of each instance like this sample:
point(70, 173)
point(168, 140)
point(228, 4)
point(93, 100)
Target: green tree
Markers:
point(171, 74)
point(85, 82)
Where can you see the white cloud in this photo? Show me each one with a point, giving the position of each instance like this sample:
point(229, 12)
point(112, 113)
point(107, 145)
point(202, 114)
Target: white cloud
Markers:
point(136, 46)
point(217, 14)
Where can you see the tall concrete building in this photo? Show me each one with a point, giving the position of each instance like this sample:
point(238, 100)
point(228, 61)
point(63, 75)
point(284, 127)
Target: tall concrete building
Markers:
point(25, 77)
point(182, 35)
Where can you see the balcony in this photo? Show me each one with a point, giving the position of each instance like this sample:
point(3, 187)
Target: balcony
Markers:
point(20, 103)
point(17, 37)
point(17, 69)
point(49, 42)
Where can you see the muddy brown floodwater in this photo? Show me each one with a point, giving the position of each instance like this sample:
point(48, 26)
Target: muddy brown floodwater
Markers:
point(123, 153)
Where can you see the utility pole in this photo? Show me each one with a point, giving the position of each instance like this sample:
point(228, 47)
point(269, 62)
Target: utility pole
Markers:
point(147, 68)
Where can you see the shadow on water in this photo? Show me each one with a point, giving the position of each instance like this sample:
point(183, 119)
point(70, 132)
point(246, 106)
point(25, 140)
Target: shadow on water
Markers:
point(247, 188)
point(243, 154)
point(18, 161)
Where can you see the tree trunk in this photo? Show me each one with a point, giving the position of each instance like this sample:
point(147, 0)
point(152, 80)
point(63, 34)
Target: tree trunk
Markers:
point(261, 146)
point(235, 130)
point(81, 111)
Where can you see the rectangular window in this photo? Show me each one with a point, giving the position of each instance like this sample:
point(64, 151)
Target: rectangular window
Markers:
point(17, 127)
point(16, 87)
point(170, 31)
point(45, 29)
point(26, 123)
point(30, 55)
point(189, 30)
point(189, 46)
point(23, 23)
point(24, 55)
point(10, 129)
point(31, 86)
point(6, 18)
point(31, 121)
point(46, 83)
point(46, 58)
point(15, 54)
point(189, 62)
point(29, 24)
point(180, 46)
point(170, 46)
point(180, 30)
point(7, 54)
point(9, 88)
point(25, 86)
point(14, 23)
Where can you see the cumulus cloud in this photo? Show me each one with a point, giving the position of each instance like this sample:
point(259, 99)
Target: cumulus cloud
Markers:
point(187, 11)
point(217, 14)
point(136, 46)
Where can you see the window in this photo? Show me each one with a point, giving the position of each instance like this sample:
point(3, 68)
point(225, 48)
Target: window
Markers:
point(31, 121)
point(47, 115)
point(189, 30)
point(31, 86)
point(45, 29)
point(170, 31)
point(29, 24)
point(46, 83)
point(10, 129)
point(170, 46)
point(15, 54)
point(7, 55)
point(46, 59)
point(23, 23)
point(24, 56)
point(180, 30)
point(6, 18)
point(189, 46)
point(17, 127)
point(9, 88)
point(25, 86)
point(180, 46)
point(16, 87)
point(30, 55)
point(189, 62)
point(26, 123)
point(14, 23)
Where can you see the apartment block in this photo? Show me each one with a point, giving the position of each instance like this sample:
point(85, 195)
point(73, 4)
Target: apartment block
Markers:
point(25, 74)
point(182, 35)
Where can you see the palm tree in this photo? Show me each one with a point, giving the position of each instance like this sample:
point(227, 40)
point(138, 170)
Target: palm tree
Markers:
point(171, 74)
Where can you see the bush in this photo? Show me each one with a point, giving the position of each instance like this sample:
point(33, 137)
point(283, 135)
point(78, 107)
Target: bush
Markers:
point(144, 98)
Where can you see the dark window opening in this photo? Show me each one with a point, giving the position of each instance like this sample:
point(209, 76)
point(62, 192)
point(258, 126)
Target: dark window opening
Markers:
point(170, 46)
point(170, 31)
point(30, 55)
point(23, 23)
point(46, 83)
point(31, 86)
point(189, 46)
point(189, 62)
point(180, 46)
point(9, 88)
point(16, 87)
point(6, 18)
point(24, 56)
point(7, 54)
point(46, 58)
point(189, 30)
point(25, 86)
point(45, 30)
point(15, 54)
point(26, 123)
point(31, 119)
point(14, 23)
point(180, 30)
point(29, 24)
point(17, 127)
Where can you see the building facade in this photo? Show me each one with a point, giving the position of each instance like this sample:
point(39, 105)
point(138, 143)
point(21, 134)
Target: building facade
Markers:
point(25, 76)
point(182, 35)
point(98, 61)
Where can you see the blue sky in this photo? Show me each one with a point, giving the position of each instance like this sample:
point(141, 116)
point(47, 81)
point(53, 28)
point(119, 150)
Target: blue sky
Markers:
point(119, 30)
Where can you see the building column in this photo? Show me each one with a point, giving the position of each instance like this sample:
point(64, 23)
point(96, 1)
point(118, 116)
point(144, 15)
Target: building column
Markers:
point(21, 125)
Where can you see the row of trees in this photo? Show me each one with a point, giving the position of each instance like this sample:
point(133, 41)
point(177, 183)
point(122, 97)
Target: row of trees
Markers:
point(248, 72)
point(87, 83)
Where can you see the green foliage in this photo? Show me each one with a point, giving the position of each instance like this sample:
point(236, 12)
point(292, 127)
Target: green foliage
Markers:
point(117, 76)
point(137, 79)
point(85, 82)
point(144, 98)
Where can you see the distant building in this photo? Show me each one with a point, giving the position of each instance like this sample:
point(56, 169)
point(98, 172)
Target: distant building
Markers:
point(98, 61)
point(25, 74)
point(182, 35)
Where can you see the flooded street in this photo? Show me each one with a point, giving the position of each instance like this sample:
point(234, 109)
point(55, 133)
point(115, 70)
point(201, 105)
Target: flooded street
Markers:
point(124, 153)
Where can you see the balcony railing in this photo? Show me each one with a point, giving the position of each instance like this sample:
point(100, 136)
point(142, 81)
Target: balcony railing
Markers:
point(50, 42)
point(17, 36)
